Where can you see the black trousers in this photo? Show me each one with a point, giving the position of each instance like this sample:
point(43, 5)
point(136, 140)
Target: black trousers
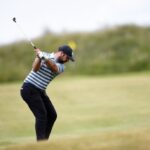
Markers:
point(42, 108)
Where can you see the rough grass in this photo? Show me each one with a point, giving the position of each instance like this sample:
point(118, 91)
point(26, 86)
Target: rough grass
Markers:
point(136, 139)
point(93, 113)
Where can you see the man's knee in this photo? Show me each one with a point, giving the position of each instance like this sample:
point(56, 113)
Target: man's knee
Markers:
point(52, 117)
point(55, 116)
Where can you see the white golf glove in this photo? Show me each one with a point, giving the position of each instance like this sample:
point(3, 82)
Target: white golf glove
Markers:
point(43, 55)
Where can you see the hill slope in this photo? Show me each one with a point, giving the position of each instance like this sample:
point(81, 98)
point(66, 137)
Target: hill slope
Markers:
point(116, 50)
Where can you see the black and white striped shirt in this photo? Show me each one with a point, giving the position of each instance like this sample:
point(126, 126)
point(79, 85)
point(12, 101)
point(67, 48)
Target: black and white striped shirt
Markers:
point(44, 75)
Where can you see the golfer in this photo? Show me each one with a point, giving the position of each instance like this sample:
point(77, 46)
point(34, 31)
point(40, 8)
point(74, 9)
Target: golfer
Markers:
point(46, 67)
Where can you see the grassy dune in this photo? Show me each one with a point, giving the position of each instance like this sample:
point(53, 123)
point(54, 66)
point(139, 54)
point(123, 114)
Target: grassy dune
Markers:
point(93, 113)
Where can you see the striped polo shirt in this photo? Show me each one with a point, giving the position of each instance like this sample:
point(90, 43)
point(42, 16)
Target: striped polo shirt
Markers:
point(44, 75)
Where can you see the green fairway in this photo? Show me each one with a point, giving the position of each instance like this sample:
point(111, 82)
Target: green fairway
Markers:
point(94, 113)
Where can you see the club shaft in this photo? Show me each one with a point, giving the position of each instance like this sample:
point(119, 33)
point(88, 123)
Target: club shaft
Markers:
point(20, 28)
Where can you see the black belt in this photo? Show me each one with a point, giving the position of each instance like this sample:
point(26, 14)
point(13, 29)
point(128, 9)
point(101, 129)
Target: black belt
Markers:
point(31, 85)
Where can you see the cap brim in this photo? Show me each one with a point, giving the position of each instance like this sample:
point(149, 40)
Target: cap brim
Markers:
point(71, 58)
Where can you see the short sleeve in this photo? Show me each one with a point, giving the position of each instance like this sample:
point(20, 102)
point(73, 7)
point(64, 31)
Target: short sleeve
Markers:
point(60, 67)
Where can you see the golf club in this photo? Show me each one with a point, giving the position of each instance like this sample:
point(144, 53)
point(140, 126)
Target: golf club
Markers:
point(19, 27)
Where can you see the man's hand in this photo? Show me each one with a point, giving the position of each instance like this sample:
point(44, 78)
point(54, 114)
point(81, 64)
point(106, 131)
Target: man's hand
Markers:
point(48, 62)
point(41, 54)
point(38, 52)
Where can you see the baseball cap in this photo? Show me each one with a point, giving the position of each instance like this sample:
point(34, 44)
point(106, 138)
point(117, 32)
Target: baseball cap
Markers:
point(68, 51)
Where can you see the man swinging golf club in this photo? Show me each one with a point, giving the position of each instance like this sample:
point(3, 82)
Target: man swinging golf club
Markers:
point(46, 67)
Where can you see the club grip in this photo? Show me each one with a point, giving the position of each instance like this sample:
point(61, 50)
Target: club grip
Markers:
point(34, 47)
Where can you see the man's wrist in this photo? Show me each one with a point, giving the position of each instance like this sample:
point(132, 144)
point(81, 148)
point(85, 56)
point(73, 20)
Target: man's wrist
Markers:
point(43, 55)
point(40, 55)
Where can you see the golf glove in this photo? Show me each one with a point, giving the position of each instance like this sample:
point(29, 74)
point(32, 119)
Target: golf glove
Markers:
point(43, 55)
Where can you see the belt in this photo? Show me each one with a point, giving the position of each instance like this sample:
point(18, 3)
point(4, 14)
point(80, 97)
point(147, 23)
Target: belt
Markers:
point(31, 85)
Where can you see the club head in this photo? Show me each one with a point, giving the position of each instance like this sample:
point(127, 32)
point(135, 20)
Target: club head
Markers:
point(14, 19)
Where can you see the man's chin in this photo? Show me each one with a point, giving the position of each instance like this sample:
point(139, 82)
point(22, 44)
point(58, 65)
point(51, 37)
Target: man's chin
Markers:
point(60, 61)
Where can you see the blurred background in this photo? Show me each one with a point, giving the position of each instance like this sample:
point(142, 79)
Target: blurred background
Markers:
point(111, 36)
point(110, 78)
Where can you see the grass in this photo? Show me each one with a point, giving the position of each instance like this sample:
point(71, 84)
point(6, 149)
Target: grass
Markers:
point(93, 113)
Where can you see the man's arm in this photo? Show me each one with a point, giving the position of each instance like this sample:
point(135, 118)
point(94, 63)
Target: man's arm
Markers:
point(36, 64)
point(51, 65)
point(48, 62)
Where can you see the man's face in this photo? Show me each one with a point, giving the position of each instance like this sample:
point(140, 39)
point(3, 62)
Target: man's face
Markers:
point(63, 58)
